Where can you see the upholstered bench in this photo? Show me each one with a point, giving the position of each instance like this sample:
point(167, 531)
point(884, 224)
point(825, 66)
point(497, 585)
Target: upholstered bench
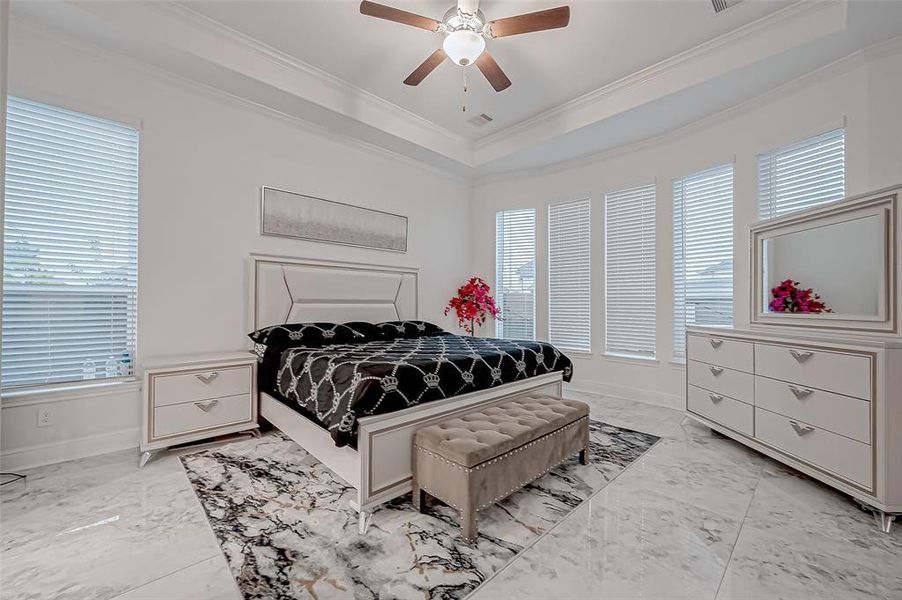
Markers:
point(471, 462)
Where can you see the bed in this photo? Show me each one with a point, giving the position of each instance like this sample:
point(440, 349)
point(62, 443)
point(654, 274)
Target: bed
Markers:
point(374, 455)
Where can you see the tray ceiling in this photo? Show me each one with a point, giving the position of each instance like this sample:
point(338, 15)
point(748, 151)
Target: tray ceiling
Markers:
point(604, 42)
point(623, 71)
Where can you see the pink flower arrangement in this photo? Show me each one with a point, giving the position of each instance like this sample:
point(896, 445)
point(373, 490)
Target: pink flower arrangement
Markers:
point(473, 304)
point(788, 297)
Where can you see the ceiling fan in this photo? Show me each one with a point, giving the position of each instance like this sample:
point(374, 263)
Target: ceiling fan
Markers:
point(466, 29)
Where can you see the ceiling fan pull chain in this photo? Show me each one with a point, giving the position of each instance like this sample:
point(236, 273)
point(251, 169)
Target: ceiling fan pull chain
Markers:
point(463, 100)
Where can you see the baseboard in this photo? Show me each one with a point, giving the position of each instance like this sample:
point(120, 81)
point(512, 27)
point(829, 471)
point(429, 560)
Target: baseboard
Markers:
point(630, 393)
point(17, 459)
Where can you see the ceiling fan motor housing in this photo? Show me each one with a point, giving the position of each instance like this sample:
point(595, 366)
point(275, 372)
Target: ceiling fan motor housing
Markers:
point(464, 39)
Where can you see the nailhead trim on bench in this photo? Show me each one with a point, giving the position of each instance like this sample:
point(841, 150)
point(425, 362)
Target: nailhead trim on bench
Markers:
point(501, 457)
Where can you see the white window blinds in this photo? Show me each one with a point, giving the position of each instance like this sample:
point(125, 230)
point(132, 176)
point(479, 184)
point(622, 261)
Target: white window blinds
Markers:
point(629, 221)
point(515, 270)
point(70, 248)
point(802, 175)
point(570, 275)
point(702, 252)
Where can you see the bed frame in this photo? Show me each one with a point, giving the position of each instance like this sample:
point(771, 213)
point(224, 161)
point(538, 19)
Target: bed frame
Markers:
point(289, 290)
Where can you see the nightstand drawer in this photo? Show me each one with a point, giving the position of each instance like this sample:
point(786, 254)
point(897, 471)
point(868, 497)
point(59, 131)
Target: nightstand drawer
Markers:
point(192, 386)
point(195, 416)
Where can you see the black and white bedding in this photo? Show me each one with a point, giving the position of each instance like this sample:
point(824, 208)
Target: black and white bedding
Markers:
point(337, 384)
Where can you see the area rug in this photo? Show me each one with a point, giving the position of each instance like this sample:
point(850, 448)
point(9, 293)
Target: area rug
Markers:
point(286, 529)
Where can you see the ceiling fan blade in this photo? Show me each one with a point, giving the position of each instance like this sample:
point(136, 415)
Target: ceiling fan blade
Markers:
point(492, 72)
point(553, 18)
point(380, 11)
point(428, 66)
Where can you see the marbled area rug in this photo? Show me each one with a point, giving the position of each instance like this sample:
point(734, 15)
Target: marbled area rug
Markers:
point(286, 528)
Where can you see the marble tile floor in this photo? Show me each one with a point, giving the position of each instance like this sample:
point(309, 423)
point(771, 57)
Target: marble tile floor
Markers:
point(698, 516)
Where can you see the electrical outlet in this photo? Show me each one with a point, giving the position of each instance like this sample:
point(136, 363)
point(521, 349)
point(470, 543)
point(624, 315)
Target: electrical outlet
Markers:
point(45, 417)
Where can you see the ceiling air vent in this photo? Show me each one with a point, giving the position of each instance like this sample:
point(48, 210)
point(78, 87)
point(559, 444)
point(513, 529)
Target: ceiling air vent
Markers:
point(480, 120)
point(722, 5)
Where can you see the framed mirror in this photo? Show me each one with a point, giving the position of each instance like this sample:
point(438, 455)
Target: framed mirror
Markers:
point(830, 267)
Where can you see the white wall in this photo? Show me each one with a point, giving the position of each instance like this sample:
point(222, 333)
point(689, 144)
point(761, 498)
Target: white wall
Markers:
point(203, 158)
point(865, 91)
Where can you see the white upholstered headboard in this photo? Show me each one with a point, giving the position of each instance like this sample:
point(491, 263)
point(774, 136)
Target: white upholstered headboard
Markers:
point(296, 290)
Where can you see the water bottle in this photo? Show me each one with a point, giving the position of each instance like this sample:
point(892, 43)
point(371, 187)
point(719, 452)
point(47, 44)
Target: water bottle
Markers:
point(112, 367)
point(89, 369)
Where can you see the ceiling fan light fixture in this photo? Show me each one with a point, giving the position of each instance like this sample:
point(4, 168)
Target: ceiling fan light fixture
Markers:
point(463, 46)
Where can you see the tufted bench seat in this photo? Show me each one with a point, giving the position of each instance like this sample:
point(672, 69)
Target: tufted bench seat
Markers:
point(472, 461)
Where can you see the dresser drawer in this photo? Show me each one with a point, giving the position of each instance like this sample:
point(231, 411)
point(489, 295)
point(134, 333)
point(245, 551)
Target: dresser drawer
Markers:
point(844, 415)
point(731, 413)
point(840, 455)
point(722, 352)
point(203, 414)
point(201, 385)
point(735, 384)
point(846, 374)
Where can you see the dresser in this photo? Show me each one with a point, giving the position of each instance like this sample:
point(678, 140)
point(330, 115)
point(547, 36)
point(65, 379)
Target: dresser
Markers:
point(196, 398)
point(827, 407)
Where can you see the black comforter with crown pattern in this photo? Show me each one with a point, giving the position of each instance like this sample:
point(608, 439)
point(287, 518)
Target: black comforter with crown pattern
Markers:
point(338, 384)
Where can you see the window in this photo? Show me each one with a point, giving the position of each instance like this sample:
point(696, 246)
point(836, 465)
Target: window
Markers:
point(629, 225)
point(702, 252)
point(803, 175)
point(515, 270)
point(570, 275)
point(70, 248)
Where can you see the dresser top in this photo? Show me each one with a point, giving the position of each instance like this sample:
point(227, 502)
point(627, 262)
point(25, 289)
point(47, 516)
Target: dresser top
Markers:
point(788, 337)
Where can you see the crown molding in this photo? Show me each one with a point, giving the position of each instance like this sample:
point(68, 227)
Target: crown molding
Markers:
point(181, 29)
point(285, 60)
point(843, 65)
point(211, 40)
point(753, 41)
point(97, 51)
point(185, 30)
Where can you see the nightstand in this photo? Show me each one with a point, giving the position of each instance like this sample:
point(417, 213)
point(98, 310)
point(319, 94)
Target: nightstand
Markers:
point(195, 398)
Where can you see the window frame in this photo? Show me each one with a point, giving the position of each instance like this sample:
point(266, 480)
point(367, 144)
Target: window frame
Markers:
point(499, 275)
point(707, 177)
point(642, 193)
point(829, 144)
point(53, 390)
point(580, 204)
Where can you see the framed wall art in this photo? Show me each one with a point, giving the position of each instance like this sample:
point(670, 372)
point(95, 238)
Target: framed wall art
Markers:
point(288, 214)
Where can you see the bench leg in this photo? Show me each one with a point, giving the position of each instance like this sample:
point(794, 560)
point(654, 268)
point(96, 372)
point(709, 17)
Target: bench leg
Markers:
point(419, 500)
point(468, 525)
point(584, 456)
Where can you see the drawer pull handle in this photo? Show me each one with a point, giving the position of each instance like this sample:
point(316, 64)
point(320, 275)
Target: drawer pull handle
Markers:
point(715, 397)
point(207, 406)
point(800, 392)
point(801, 356)
point(207, 378)
point(715, 343)
point(716, 370)
point(801, 429)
